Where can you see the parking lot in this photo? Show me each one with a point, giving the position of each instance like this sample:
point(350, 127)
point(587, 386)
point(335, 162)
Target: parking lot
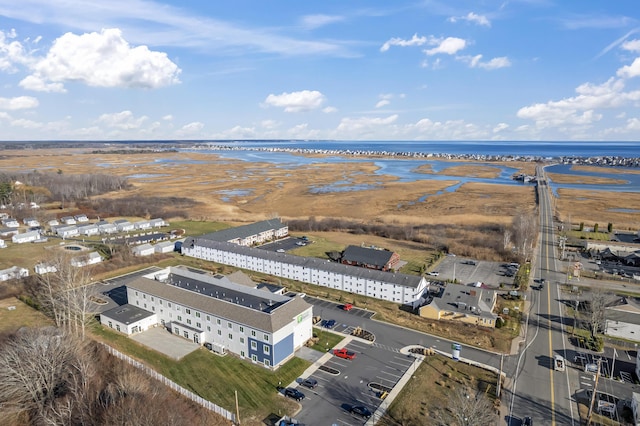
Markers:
point(468, 271)
point(285, 244)
point(343, 384)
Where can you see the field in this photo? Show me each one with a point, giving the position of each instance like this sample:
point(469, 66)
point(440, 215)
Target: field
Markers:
point(22, 316)
point(431, 389)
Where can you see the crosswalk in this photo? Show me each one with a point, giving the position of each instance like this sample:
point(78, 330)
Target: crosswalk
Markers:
point(385, 347)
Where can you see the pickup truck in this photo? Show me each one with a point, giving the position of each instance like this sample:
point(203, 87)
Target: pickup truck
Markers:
point(344, 353)
point(347, 307)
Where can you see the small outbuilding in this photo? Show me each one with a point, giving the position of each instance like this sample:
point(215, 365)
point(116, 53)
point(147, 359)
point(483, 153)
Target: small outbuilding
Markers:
point(128, 319)
point(143, 250)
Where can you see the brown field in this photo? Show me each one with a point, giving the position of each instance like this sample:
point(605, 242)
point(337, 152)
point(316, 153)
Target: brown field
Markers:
point(587, 180)
point(21, 316)
point(592, 207)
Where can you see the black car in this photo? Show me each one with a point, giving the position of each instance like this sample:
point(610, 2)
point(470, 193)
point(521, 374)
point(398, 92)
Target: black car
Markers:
point(329, 323)
point(527, 421)
point(310, 383)
point(294, 394)
point(361, 411)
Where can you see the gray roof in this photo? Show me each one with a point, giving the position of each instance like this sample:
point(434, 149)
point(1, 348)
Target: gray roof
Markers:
point(127, 314)
point(244, 231)
point(466, 300)
point(230, 301)
point(412, 281)
point(369, 256)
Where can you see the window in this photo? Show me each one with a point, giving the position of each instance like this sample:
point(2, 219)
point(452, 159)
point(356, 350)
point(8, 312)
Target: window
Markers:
point(188, 311)
point(118, 327)
point(242, 340)
point(138, 302)
point(197, 314)
point(242, 354)
point(219, 333)
point(188, 321)
point(179, 318)
point(230, 336)
point(152, 299)
point(160, 301)
point(254, 345)
point(254, 358)
point(153, 308)
point(208, 328)
point(229, 325)
point(137, 293)
point(218, 321)
point(241, 329)
point(266, 349)
point(253, 333)
point(267, 362)
point(198, 325)
point(145, 306)
point(169, 304)
point(208, 318)
point(144, 296)
point(266, 337)
point(111, 325)
point(186, 334)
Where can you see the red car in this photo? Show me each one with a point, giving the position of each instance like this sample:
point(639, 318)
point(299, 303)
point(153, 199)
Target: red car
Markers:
point(344, 353)
point(347, 306)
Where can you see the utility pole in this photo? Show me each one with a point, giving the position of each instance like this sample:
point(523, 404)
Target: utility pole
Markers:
point(237, 409)
point(593, 395)
point(499, 386)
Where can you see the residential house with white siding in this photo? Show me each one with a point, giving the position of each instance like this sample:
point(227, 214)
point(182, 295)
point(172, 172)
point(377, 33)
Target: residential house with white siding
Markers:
point(25, 237)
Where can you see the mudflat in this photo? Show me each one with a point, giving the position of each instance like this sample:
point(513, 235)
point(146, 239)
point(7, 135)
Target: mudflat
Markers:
point(239, 191)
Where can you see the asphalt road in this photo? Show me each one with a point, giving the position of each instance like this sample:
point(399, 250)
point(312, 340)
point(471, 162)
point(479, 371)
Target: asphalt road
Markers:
point(538, 390)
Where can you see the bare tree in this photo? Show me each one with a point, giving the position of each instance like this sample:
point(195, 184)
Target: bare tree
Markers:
point(525, 233)
point(64, 295)
point(597, 313)
point(37, 373)
point(466, 409)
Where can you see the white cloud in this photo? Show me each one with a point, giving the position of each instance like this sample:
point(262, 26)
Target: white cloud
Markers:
point(473, 18)
point(329, 110)
point(631, 45)
point(37, 84)
point(305, 100)
point(102, 59)
point(20, 102)
point(492, 64)
point(396, 41)
point(383, 102)
point(123, 120)
point(311, 22)
point(500, 127)
point(364, 125)
point(4, 116)
point(168, 117)
point(26, 124)
point(449, 46)
point(12, 52)
point(269, 124)
point(447, 130)
point(191, 128)
point(630, 71)
point(580, 109)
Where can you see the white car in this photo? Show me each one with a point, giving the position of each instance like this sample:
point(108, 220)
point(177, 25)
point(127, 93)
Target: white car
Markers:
point(433, 273)
point(280, 250)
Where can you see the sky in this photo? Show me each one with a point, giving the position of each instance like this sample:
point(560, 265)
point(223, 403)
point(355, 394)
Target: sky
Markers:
point(539, 70)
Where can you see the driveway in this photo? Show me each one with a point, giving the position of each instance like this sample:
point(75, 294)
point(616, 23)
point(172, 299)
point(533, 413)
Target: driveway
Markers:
point(161, 340)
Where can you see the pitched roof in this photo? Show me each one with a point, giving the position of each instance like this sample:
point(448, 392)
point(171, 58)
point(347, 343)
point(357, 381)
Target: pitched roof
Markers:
point(412, 281)
point(244, 231)
point(365, 255)
point(218, 296)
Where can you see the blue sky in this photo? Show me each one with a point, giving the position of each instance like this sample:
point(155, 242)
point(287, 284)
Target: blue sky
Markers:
point(347, 70)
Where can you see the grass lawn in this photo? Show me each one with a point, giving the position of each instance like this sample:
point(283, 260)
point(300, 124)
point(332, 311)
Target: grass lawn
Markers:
point(431, 387)
point(25, 255)
point(22, 316)
point(195, 228)
point(216, 378)
point(326, 340)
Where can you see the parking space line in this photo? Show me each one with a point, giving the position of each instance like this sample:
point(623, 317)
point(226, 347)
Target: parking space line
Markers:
point(391, 374)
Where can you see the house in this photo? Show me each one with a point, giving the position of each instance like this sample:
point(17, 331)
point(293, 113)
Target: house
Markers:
point(25, 237)
point(456, 302)
point(88, 229)
point(86, 259)
point(66, 231)
point(31, 221)
point(128, 319)
point(158, 223)
point(106, 228)
point(394, 287)
point(142, 225)
point(364, 257)
point(53, 222)
point(15, 272)
point(165, 247)
point(622, 320)
point(44, 268)
point(252, 234)
point(208, 308)
point(123, 225)
point(68, 220)
point(10, 222)
point(8, 232)
point(143, 250)
point(81, 218)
